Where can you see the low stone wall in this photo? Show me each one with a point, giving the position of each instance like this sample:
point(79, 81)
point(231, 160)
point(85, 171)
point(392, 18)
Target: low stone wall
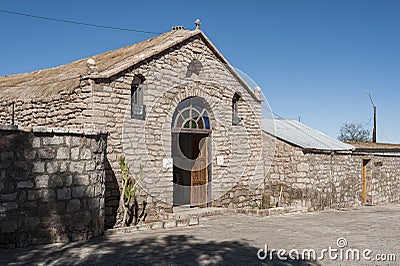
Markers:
point(51, 185)
point(328, 180)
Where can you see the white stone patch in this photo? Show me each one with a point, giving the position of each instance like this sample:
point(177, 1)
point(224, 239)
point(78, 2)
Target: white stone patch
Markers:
point(168, 163)
point(220, 160)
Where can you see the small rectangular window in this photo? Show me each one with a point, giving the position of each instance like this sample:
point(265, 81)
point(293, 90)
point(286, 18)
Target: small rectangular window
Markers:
point(138, 109)
point(235, 110)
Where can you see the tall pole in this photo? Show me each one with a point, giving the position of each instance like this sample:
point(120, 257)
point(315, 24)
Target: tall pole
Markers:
point(374, 130)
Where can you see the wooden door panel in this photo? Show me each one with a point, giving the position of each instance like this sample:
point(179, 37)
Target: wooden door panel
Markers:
point(199, 177)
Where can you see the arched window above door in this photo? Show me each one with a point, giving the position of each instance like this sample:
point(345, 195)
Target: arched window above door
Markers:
point(191, 116)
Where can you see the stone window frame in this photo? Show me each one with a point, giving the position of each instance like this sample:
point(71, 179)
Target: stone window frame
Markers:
point(235, 109)
point(138, 108)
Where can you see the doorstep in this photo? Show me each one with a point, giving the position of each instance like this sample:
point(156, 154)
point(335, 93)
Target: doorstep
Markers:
point(157, 225)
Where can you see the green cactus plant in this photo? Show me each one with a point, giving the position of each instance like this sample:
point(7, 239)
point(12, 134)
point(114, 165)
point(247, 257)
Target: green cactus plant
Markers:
point(128, 195)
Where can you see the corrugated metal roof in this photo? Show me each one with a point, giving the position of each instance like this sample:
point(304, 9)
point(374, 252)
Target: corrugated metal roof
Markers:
point(302, 136)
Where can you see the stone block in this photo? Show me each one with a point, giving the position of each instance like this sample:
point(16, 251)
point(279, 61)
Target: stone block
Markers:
point(76, 167)
point(42, 181)
point(93, 204)
point(193, 221)
point(55, 140)
point(66, 179)
point(38, 167)
point(77, 142)
point(78, 192)
point(81, 180)
point(182, 222)
point(63, 167)
point(131, 229)
point(25, 184)
point(56, 181)
point(36, 143)
point(46, 153)
point(169, 224)
point(62, 153)
point(85, 154)
point(75, 153)
point(73, 206)
point(44, 194)
point(29, 154)
point(90, 166)
point(52, 167)
point(64, 194)
point(156, 225)
point(143, 227)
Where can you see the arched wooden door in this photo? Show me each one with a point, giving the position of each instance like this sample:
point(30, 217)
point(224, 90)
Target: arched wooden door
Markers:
point(191, 148)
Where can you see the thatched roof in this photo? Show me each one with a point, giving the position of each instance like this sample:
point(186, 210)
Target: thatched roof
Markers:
point(51, 81)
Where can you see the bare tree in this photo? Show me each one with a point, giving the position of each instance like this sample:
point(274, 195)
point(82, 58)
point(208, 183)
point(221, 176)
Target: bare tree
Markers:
point(354, 132)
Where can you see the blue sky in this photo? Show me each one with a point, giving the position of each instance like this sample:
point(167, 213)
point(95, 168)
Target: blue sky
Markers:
point(313, 59)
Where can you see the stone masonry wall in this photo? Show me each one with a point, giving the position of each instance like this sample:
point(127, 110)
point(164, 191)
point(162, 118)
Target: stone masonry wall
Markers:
point(51, 186)
point(148, 142)
point(328, 180)
point(68, 109)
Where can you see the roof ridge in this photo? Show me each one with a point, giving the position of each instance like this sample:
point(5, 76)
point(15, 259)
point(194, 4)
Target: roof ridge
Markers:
point(84, 59)
point(67, 76)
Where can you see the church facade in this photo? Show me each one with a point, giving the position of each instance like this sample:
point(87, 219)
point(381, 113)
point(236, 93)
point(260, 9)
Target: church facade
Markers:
point(172, 105)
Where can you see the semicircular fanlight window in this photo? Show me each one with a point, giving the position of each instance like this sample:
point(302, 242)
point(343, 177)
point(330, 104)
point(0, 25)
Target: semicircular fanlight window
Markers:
point(191, 115)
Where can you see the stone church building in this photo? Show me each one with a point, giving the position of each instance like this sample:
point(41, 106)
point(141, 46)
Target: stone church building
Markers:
point(172, 104)
point(174, 107)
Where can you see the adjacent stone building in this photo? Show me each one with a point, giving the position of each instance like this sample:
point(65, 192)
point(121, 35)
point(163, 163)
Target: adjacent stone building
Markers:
point(314, 171)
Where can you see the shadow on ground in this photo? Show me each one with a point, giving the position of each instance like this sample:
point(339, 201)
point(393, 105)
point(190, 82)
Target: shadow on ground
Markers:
point(168, 250)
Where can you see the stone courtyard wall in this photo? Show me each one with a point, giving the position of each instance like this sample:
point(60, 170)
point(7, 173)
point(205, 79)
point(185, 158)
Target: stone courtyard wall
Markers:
point(317, 180)
point(51, 185)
